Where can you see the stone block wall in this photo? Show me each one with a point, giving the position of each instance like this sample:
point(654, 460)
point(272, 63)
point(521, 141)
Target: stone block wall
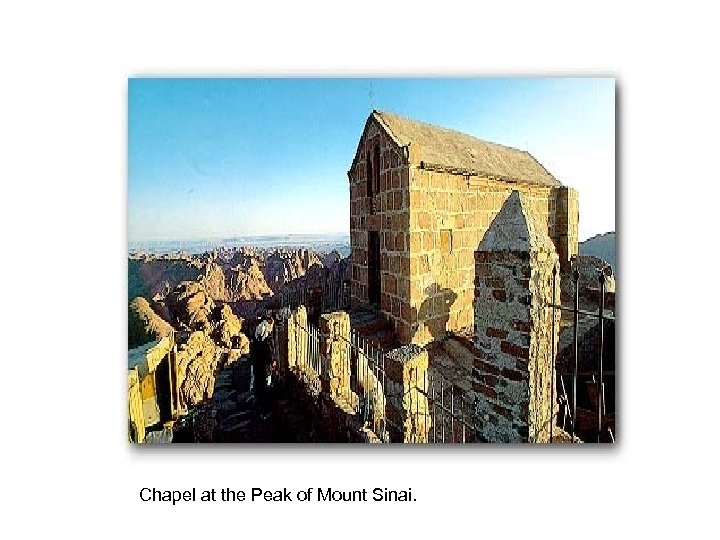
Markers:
point(407, 407)
point(449, 214)
point(386, 212)
point(335, 332)
point(430, 224)
point(512, 376)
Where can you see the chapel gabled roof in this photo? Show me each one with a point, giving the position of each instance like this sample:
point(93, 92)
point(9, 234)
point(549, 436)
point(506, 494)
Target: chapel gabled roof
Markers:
point(438, 147)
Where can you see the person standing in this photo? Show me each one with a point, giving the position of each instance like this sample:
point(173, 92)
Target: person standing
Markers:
point(262, 353)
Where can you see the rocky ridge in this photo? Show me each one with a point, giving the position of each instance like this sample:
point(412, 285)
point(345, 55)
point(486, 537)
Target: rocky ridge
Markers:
point(202, 299)
point(230, 275)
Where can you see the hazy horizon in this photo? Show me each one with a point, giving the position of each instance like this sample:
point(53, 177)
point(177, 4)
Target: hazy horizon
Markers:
point(336, 234)
point(339, 242)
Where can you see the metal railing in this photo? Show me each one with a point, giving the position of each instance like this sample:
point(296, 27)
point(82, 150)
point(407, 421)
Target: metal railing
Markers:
point(292, 295)
point(441, 410)
point(365, 377)
point(449, 411)
point(369, 381)
point(333, 294)
point(311, 364)
point(429, 399)
point(592, 375)
point(586, 416)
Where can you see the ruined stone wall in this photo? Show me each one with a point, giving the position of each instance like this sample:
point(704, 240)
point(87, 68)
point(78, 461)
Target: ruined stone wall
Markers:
point(543, 338)
point(449, 214)
point(388, 213)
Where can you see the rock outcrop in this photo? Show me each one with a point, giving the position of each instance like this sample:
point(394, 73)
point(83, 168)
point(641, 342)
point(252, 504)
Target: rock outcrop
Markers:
point(144, 325)
point(589, 286)
point(152, 274)
point(199, 297)
point(283, 266)
point(244, 281)
point(229, 331)
point(190, 305)
point(197, 361)
point(249, 282)
point(214, 281)
point(230, 275)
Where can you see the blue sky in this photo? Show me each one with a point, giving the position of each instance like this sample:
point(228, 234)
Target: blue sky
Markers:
point(213, 158)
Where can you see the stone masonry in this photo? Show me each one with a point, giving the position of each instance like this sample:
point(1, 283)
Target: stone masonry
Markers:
point(297, 340)
point(386, 211)
point(372, 389)
point(334, 346)
point(408, 409)
point(512, 375)
point(430, 218)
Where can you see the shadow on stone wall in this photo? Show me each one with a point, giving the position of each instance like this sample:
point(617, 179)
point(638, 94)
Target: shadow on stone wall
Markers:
point(435, 310)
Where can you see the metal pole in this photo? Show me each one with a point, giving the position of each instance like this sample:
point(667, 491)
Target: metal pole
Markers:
point(565, 402)
point(442, 407)
point(600, 386)
point(452, 413)
point(426, 413)
point(379, 391)
point(417, 406)
point(552, 361)
point(462, 420)
point(366, 386)
point(384, 388)
point(576, 277)
point(434, 409)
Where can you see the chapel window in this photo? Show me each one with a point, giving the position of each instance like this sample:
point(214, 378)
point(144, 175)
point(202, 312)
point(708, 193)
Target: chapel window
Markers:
point(376, 169)
point(369, 177)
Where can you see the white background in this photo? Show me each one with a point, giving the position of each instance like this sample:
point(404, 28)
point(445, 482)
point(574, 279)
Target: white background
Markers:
point(66, 468)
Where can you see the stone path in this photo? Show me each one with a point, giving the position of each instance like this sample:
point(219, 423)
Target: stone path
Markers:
point(233, 417)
